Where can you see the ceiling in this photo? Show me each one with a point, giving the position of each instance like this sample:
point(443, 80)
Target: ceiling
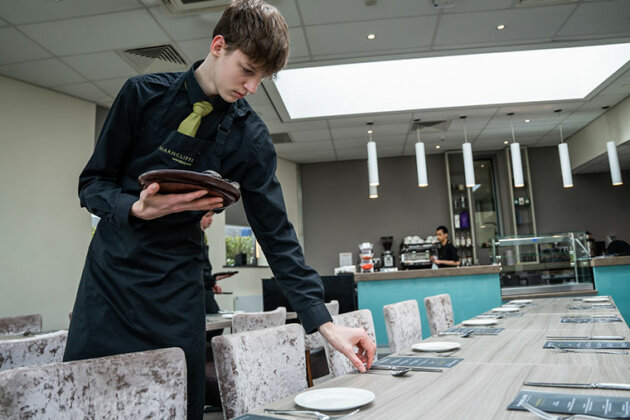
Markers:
point(72, 46)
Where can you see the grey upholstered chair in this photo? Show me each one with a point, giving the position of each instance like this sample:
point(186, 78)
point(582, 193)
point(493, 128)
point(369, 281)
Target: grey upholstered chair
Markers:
point(255, 368)
point(314, 344)
point(258, 320)
point(402, 321)
point(21, 324)
point(150, 384)
point(338, 364)
point(35, 350)
point(439, 313)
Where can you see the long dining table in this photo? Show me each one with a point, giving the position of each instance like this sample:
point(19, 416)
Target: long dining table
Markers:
point(493, 369)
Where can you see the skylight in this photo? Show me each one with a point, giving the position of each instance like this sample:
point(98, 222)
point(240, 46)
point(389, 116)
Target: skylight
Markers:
point(446, 82)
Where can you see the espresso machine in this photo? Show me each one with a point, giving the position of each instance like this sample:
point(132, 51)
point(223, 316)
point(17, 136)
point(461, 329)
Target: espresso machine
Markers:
point(388, 259)
point(416, 253)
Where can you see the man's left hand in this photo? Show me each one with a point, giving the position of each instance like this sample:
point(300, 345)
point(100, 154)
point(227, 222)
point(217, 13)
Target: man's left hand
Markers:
point(345, 339)
point(217, 289)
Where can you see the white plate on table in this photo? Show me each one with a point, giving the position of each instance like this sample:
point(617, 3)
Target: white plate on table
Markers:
point(436, 346)
point(506, 309)
point(480, 322)
point(518, 301)
point(596, 299)
point(334, 399)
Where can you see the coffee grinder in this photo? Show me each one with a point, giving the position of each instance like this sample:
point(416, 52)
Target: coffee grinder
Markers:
point(388, 256)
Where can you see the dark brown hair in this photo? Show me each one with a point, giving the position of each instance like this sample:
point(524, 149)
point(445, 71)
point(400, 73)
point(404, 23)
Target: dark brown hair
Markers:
point(259, 31)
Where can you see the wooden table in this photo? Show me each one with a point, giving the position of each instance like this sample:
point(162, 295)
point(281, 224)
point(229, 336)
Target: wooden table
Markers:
point(493, 370)
point(219, 322)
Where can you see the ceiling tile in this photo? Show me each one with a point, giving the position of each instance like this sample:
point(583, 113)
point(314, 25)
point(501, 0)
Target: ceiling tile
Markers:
point(267, 112)
point(381, 131)
point(619, 86)
point(103, 65)
point(111, 86)
point(378, 119)
point(195, 49)
point(187, 26)
point(289, 11)
point(87, 91)
point(19, 11)
point(47, 73)
point(97, 33)
point(320, 11)
point(391, 34)
point(318, 146)
point(479, 5)
point(298, 43)
point(310, 157)
point(260, 98)
point(600, 18)
point(310, 135)
point(605, 100)
point(480, 28)
point(15, 47)
point(3, 23)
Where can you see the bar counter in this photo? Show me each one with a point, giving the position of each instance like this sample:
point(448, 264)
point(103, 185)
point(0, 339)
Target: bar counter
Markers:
point(473, 290)
point(612, 278)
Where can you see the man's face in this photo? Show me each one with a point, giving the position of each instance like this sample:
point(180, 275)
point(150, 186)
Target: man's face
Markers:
point(441, 236)
point(236, 75)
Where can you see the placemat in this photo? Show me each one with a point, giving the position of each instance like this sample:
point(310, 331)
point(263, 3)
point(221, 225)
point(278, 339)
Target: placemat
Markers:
point(466, 330)
point(595, 405)
point(500, 315)
point(577, 320)
point(588, 344)
point(254, 417)
point(591, 307)
point(402, 361)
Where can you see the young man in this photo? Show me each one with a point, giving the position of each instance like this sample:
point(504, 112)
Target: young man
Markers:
point(142, 285)
point(447, 253)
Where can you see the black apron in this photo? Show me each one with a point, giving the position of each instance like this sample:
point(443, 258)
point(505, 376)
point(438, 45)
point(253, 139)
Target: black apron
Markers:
point(142, 286)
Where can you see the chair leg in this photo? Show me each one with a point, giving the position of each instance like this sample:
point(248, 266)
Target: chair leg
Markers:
point(309, 372)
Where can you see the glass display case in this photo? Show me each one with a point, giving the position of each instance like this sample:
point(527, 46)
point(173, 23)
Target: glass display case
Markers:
point(462, 232)
point(556, 262)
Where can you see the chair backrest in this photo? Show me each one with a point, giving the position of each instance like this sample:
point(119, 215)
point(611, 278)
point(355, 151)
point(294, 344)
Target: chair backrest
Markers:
point(402, 321)
point(21, 324)
point(338, 364)
point(315, 340)
point(258, 320)
point(256, 368)
point(35, 350)
point(439, 313)
point(149, 384)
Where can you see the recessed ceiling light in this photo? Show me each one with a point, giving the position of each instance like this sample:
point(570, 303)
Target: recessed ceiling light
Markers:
point(500, 27)
point(437, 147)
point(488, 80)
point(371, 36)
point(528, 121)
point(506, 142)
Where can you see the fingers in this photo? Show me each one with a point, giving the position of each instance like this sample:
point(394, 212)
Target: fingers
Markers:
point(354, 359)
point(150, 191)
point(367, 348)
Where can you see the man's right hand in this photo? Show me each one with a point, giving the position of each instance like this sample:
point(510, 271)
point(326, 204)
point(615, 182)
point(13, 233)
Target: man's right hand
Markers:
point(152, 205)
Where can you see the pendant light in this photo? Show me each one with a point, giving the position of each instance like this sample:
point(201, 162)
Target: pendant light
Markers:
point(372, 159)
point(469, 169)
point(517, 164)
point(373, 191)
point(421, 161)
point(613, 158)
point(565, 162)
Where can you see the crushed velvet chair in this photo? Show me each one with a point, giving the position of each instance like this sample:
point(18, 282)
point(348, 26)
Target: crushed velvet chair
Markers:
point(30, 351)
point(402, 321)
point(150, 384)
point(258, 320)
point(21, 324)
point(256, 368)
point(338, 364)
point(439, 313)
point(314, 349)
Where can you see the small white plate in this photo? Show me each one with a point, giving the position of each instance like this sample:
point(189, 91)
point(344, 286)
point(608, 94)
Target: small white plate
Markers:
point(334, 399)
point(597, 299)
point(478, 322)
point(506, 309)
point(436, 346)
point(521, 301)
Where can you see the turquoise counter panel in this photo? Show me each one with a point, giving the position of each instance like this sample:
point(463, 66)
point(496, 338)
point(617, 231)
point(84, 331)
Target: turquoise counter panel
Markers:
point(614, 280)
point(471, 295)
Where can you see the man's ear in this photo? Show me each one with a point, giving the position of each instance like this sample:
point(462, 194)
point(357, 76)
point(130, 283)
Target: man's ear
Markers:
point(218, 44)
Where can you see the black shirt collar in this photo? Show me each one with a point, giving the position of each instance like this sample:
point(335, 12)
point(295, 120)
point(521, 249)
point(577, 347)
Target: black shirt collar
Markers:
point(196, 94)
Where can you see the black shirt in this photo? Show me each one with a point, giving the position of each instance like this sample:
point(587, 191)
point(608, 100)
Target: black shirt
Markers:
point(448, 253)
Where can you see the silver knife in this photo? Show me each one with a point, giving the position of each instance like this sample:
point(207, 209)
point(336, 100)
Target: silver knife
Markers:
point(589, 337)
point(414, 368)
point(597, 385)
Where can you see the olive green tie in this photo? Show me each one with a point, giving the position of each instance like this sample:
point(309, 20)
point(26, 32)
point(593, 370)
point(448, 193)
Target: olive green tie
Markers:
point(190, 125)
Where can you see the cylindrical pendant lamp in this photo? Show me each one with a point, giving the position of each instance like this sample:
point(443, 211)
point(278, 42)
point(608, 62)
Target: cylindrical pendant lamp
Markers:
point(613, 161)
point(372, 161)
point(565, 165)
point(421, 163)
point(469, 168)
point(517, 164)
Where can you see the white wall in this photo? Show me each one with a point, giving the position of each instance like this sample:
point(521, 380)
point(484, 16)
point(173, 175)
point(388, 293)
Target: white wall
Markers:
point(247, 281)
point(45, 140)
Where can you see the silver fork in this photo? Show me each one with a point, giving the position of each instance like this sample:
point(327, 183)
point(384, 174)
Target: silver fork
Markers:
point(302, 413)
point(589, 350)
point(549, 416)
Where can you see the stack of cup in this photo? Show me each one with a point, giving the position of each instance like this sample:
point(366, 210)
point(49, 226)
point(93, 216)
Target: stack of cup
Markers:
point(366, 256)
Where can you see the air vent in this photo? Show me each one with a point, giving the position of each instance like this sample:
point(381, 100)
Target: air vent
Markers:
point(429, 126)
point(158, 58)
point(279, 138)
point(186, 7)
point(526, 3)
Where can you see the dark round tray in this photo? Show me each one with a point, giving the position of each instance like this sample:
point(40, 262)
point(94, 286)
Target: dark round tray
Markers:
point(178, 181)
